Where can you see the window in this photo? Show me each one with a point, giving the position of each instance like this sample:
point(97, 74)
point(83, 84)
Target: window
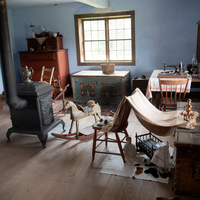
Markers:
point(102, 38)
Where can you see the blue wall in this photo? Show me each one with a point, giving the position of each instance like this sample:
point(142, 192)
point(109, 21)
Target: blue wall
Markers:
point(164, 31)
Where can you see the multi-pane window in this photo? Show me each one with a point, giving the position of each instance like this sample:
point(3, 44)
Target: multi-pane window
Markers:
point(104, 38)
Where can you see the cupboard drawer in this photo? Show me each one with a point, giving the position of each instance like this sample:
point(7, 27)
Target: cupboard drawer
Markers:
point(38, 65)
point(38, 56)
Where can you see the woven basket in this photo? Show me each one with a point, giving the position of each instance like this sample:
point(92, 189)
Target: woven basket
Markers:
point(108, 68)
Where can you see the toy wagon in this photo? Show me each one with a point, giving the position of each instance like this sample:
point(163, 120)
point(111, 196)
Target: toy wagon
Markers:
point(147, 143)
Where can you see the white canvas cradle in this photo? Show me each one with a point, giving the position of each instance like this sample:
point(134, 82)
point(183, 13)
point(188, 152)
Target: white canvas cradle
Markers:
point(156, 121)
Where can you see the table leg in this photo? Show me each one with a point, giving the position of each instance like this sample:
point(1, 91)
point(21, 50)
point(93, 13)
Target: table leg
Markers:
point(157, 99)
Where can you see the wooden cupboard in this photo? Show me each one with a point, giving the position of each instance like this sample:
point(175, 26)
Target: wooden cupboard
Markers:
point(49, 59)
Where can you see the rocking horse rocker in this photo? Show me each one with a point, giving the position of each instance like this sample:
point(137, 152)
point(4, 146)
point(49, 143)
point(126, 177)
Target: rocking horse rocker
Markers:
point(77, 113)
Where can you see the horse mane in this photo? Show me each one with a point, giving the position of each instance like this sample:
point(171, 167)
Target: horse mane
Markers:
point(73, 106)
point(72, 103)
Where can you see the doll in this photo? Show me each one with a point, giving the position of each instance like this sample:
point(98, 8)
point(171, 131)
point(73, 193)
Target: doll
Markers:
point(131, 155)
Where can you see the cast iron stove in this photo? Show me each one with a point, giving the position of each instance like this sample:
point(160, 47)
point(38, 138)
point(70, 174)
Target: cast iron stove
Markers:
point(37, 117)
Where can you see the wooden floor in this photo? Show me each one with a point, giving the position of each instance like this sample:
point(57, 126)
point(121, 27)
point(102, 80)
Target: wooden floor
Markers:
point(64, 169)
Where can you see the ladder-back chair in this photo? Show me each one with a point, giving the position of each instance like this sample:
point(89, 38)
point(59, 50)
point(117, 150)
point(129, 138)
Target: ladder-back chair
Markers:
point(172, 91)
point(47, 74)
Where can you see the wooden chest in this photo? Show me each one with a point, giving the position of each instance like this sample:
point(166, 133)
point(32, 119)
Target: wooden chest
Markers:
point(187, 163)
point(103, 88)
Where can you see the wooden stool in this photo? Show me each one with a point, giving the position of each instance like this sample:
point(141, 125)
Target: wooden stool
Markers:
point(106, 139)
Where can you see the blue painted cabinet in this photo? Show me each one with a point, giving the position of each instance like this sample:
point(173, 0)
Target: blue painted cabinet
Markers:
point(102, 88)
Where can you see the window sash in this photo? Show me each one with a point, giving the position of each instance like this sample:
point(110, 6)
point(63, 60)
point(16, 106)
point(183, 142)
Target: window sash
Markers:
point(94, 45)
point(125, 56)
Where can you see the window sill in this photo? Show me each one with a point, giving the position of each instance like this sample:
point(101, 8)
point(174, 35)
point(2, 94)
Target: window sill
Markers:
point(99, 63)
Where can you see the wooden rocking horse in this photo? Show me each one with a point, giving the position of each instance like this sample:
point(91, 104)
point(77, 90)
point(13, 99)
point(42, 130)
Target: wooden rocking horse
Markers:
point(77, 113)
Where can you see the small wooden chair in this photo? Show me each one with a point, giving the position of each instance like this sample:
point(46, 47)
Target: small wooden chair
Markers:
point(169, 97)
point(120, 124)
point(48, 77)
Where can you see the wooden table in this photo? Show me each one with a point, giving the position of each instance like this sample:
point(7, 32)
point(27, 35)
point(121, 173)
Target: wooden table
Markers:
point(154, 87)
point(187, 160)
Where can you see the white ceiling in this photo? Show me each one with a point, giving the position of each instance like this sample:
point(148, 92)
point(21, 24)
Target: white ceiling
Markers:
point(30, 3)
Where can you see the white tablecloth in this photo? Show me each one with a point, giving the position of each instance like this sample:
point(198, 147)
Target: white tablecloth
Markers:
point(153, 84)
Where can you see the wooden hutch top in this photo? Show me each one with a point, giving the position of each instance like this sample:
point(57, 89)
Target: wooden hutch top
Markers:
point(44, 41)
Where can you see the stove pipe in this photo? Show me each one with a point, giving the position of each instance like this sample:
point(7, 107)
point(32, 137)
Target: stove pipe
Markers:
point(7, 69)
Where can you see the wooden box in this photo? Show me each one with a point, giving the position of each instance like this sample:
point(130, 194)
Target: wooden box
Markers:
point(187, 159)
point(103, 88)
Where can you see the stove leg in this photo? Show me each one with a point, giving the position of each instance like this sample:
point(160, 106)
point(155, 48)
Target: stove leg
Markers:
point(9, 132)
point(43, 140)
